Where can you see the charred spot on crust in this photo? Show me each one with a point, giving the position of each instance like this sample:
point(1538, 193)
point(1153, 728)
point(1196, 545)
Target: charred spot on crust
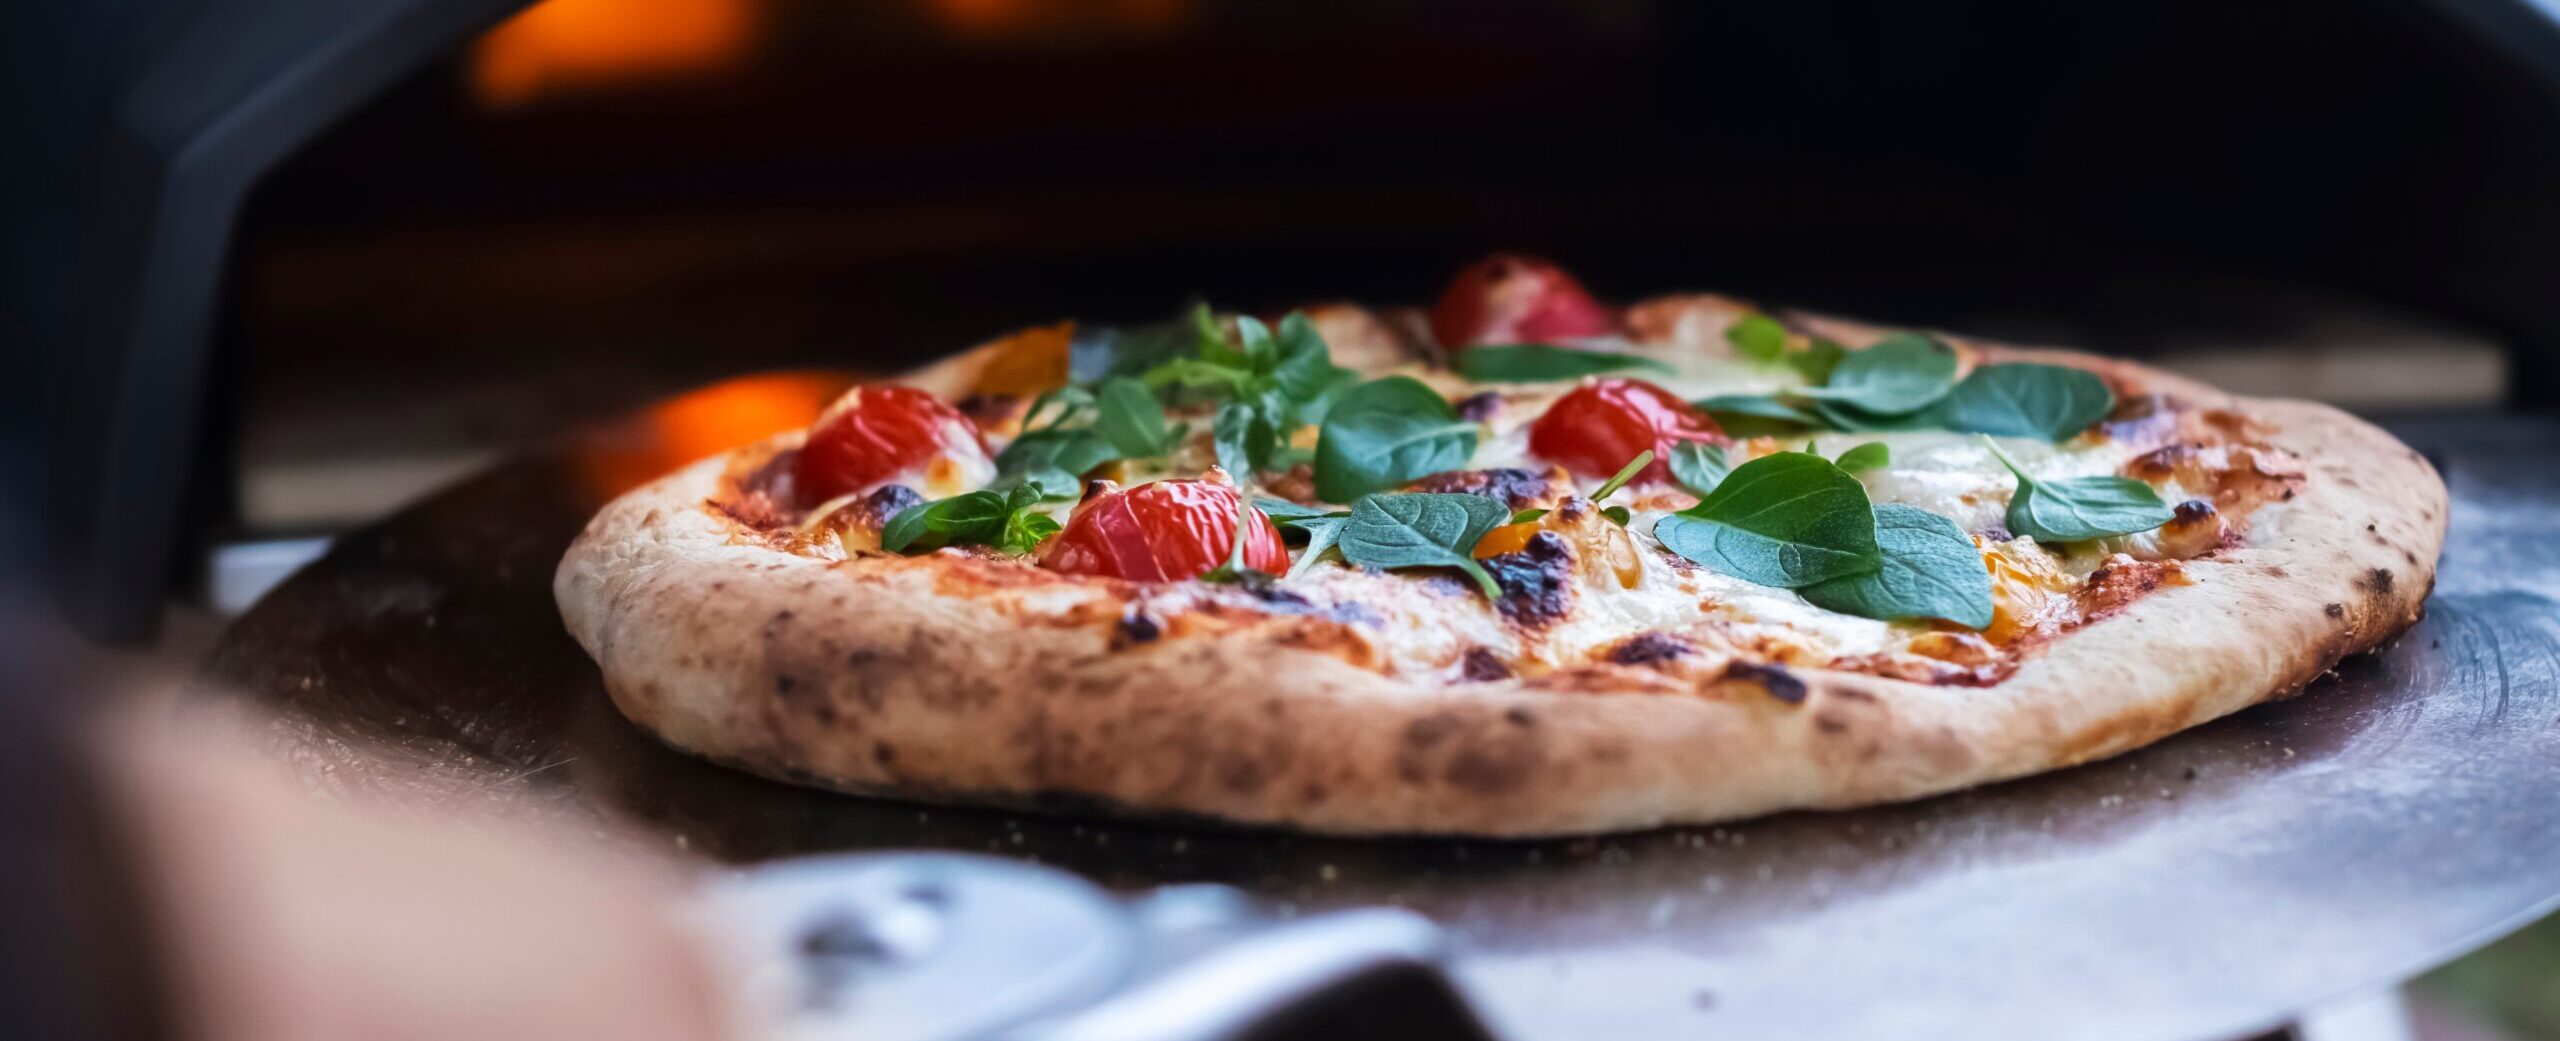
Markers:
point(2192, 511)
point(1513, 486)
point(1536, 582)
point(1648, 648)
point(1136, 627)
point(2378, 580)
point(1480, 665)
point(1479, 407)
point(2334, 610)
point(1265, 588)
point(1780, 683)
point(1351, 613)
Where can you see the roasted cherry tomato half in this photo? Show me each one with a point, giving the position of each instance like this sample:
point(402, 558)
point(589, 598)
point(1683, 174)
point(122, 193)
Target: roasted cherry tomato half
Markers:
point(1167, 531)
point(878, 435)
point(1597, 427)
point(1508, 298)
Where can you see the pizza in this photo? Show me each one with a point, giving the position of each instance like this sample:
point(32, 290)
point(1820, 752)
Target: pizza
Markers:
point(1520, 564)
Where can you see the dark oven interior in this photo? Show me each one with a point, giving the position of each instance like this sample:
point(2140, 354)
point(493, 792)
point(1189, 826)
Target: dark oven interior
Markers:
point(599, 202)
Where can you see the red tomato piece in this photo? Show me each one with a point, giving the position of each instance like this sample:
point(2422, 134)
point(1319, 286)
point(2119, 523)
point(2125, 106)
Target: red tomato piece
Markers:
point(1508, 298)
point(1166, 531)
point(1599, 426)
point(875, 434)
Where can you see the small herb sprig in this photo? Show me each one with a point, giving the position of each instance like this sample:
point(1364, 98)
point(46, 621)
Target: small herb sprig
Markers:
point(1545, 363)
point(1009, 520)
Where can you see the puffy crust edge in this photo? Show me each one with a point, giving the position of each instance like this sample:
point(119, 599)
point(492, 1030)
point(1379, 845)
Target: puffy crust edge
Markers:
point(936, 678)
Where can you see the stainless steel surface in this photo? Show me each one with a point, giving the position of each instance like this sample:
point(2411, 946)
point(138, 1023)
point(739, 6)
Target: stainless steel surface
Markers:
point(2214, 884)
point(948, 947)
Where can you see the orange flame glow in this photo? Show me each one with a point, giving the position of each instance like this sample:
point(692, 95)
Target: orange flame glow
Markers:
point(563, 46)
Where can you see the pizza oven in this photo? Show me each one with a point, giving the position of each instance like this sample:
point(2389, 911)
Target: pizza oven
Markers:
point(327, 256)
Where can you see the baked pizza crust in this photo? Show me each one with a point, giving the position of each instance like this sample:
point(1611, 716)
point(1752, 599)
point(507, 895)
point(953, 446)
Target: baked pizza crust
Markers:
point(947, 677)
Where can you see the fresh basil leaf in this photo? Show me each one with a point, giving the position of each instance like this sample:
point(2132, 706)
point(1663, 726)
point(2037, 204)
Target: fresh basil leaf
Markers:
point(1931, 570)
point(1097, 353)
point(1817, 360)
point(1257, 350)
point(1787, 520)
point(1067, 401)
point(1626, 473)
point(1525, 516)
point(1282, 512)
point(975, 517)
point(2076, 509)
point(1025, 530)
point(1386, 432)
point(1075, 452)
point(1619, 514)
point(1868, 456)
point(1544, 363)
point(1322, 533)
point(1131, 419)
point(1242, 438)
point(1751, 415)
point(1049, 482)
point(1757, 337)
point(1303, 371)
point(1856, 420)
point(1422, 529)
point(1698, 468)
point(2020, 399)
point(1895, 376)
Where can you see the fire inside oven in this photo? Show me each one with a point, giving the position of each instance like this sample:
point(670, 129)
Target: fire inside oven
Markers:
point(596, 203)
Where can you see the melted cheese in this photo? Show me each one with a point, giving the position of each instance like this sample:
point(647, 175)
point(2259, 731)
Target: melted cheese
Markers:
point(1428, 626)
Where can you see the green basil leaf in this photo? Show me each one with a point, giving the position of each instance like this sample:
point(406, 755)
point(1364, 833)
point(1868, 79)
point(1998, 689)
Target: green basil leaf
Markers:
point(977, 517)
point(1243, 439)
point(1930, 570)
point(1282, 512)
point(1626, 473)
point(1619, 514)
point(1544, 363)
point(2018, 399)
point(1787, 520)
point(1525, 516)
point(1868, 456)
point(1131, 419)
point(1422, 529)
point(1256, 349)
point(1067, 400)
point(1097, 353)
point(1856, 420)
point(1817, 360)
point(1025, 530)
point(1302, 368)
point(1757, 337)
point(1322, 533)
point(1386, 432)
point(1698, 468)
point(1075, 452)
point(1895, 376)
point(1751, 415)
point(2076, 509)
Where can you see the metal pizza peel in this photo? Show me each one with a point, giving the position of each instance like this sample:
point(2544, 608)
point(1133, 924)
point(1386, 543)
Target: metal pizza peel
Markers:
point(2399, 812)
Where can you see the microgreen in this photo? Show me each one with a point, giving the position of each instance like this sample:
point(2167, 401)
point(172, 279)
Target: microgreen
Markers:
point(1387, 432)
point(1129, 417)
point(2075, 509)
point(1543, 363)
point(1789, 520)
point(1625, 473)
